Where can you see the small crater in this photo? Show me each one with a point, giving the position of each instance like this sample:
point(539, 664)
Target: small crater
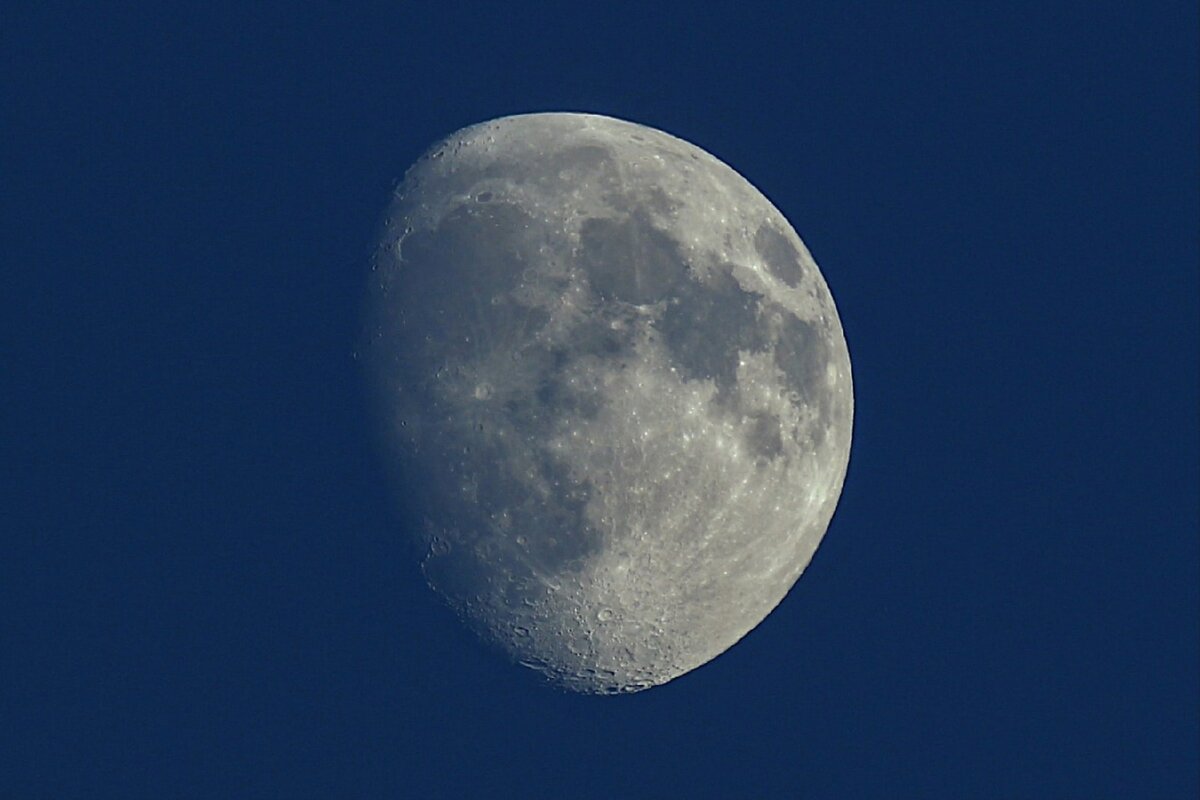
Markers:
point(483, 197)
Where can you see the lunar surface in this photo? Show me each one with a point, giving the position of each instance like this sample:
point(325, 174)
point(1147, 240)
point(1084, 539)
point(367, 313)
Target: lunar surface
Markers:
point(615, 388)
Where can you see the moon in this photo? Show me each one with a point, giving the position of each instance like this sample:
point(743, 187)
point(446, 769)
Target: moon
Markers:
point(614, 391)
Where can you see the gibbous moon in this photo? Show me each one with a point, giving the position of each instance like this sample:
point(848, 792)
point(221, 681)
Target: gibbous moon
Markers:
point(614, 384)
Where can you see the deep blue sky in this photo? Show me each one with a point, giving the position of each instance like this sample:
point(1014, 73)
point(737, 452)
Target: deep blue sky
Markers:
point(204, 591)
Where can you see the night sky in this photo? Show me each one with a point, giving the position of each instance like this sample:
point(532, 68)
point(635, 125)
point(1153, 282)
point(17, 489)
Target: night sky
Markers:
point(206, 590)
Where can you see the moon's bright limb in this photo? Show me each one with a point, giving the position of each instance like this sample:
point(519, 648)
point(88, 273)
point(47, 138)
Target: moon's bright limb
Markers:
point(616, 383)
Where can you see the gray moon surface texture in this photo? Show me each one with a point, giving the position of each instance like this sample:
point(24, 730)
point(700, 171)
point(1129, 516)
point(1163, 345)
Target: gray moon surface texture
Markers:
point(614, 384)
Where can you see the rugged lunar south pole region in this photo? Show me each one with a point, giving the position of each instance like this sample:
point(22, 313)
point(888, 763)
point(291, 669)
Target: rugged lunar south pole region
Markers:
point(614, 390)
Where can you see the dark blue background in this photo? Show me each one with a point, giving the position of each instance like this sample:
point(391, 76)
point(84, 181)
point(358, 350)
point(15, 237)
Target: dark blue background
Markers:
point(204, 591)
